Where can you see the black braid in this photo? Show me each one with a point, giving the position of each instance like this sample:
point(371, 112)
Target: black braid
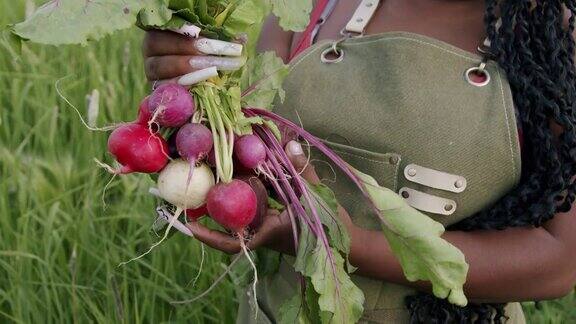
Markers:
point(536, 50)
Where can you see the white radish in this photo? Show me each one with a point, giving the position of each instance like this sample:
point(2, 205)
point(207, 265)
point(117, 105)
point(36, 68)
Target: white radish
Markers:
point(173, 187)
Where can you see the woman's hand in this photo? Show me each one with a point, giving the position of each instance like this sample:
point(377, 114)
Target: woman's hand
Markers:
point(276, 230)
point(171, 57)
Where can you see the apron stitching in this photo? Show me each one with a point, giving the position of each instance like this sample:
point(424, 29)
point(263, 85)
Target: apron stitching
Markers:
point(361, 157)
point(396, 168)
point(384, 40)
point(507, 123)
point(360, 42)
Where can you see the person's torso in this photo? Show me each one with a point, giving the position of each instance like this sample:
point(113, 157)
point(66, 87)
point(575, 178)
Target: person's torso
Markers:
point(398, 106)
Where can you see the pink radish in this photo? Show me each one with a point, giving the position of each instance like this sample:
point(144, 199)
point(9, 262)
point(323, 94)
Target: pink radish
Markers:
point(250, 151)
point(137, 150)
point(171, 105)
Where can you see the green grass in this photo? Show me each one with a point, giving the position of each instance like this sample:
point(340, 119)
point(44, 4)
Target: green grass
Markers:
point(59, 247)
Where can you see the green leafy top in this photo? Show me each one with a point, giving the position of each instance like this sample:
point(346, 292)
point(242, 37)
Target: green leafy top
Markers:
point(61, 22)
point(78, 21)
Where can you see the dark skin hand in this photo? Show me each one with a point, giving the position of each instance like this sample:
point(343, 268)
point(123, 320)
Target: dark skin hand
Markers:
point(510, 265)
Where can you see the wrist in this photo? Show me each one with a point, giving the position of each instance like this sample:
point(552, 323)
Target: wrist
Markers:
point(358, 237)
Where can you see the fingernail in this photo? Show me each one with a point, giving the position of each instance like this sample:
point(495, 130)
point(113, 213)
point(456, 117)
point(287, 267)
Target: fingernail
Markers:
point(188, 30)
point(221, 63)
point(295, 148)
point(218, 47)
point(197, 76)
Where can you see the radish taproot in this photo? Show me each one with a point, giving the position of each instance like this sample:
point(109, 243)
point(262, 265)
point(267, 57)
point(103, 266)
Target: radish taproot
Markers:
point(171, 105)
point(137, 150)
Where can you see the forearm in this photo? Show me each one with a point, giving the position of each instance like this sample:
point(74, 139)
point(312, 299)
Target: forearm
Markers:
point(510, 265)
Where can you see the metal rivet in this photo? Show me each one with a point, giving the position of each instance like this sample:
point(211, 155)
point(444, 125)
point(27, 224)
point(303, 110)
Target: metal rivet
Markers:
point(459, 183)
point(405, 194)
point(448, 207)
point(411, 172)
point(394, 160)
point(369, 4)
point(359, 20)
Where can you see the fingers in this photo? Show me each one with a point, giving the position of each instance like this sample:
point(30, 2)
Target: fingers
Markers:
point(301, 162)
point(214, 239)
point(172, 66)
point(167, 67)
point(161, 43)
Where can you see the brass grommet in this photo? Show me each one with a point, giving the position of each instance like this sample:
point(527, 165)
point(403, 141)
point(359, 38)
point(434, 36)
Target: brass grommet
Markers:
point(405, 194)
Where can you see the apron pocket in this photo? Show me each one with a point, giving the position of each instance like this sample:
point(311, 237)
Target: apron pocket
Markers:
point(383, 167)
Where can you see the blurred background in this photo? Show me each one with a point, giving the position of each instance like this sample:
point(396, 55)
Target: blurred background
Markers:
point(61, 237)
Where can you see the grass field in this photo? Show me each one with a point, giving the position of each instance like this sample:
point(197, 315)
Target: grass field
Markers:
point(59, 245)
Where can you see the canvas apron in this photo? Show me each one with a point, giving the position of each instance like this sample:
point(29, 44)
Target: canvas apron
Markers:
point(398, 106)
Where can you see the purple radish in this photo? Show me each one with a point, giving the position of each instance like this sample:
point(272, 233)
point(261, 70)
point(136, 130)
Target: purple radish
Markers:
point(171, 105)
point(194, 141)
point(250, 151)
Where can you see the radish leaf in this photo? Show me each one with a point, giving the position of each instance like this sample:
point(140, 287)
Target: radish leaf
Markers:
point(78, 21)
point(293, 14)
point(416, 240)
point(262, 80)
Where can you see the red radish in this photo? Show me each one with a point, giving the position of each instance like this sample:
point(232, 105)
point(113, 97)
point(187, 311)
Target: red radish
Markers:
point(232, 205)
point(171, 105)
point(250, 151)
point(194, 214)
point(137, 150)
point(144, 114)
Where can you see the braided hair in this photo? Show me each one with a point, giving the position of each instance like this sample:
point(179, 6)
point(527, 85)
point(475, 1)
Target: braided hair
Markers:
point(535, 49)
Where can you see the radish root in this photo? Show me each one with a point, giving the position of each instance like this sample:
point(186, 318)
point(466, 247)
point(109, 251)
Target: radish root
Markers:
point(255, 282)
point(97, 129)
point(214, 284)
point(170, 225)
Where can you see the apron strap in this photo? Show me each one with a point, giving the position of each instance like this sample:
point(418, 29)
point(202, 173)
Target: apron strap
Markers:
point(362, 17)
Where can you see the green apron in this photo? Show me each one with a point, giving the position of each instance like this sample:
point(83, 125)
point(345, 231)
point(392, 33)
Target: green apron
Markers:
point(395, 104)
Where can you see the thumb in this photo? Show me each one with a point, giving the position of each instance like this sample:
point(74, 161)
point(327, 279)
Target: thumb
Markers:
point(301, 162)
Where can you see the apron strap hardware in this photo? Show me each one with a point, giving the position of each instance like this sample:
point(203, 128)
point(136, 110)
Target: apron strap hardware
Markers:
point(434, 178)
point(427, 202)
